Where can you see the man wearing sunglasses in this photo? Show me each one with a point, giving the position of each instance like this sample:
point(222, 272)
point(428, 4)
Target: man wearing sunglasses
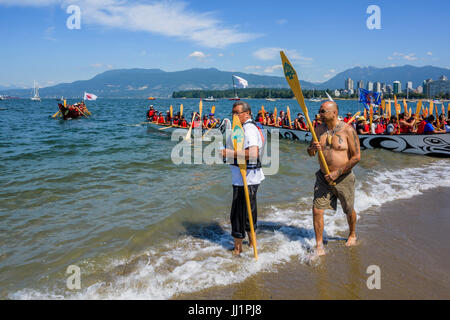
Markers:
point(254, 141)
point(340, 146)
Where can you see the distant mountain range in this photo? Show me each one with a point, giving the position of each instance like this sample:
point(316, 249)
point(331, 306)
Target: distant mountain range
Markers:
point(142, 83)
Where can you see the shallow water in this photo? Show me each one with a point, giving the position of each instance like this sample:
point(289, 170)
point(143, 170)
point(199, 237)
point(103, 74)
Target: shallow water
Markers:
point(103, 194)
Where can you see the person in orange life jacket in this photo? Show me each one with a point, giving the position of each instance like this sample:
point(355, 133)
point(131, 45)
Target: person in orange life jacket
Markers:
point(259, 117)
point(299, 122)
point(197, 122)
point(183, 122)
point(176, 120)
point(377, 126)
point(317, 121)
point(168, 119)
point(160, 118)
point(405, 125)
point(361, 127)
point(348, 117)
point(280, 119)
point(254, 141)
point(205, 121)
point(150, 113)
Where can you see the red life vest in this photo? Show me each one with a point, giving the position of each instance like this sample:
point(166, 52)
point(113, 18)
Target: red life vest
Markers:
point(155, 118)
point(260, 119)
point(421, 127)
point(379, 128)
point(196, 124)
point(176, 122)
point(161, 119)
point(151, 113)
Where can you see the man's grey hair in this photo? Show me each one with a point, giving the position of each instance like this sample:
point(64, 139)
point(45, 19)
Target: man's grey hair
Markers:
point(245, 106)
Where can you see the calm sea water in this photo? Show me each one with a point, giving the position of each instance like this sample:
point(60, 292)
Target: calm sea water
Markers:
point(102, 194)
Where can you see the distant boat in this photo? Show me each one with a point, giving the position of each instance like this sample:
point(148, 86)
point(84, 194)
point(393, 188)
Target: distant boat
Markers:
point(35, 97)
point(315, 99)
point(3, 97)
point(151, 98)
point(210, 99)
point(270, 97)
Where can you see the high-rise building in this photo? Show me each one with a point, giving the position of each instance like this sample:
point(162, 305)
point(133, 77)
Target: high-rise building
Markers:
point(397, 85)
point(383, 87)
point(369, 86)
point(426, 87)
point(348, 84)
point(419, 89)
point(377, 87)
point(360, 84)
point(438, 87)
point(389, 89)
point(409, 85)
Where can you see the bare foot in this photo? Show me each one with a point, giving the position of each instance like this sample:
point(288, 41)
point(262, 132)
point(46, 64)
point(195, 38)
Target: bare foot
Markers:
point(236, 252)
point(320, 251)
point(351, 241)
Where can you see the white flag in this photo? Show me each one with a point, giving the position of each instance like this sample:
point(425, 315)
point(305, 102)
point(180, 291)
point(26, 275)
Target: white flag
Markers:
point(241, 83)
point(89, 96)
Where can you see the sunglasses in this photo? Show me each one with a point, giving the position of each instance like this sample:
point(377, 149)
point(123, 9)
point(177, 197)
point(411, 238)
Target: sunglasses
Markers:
point(325, 111)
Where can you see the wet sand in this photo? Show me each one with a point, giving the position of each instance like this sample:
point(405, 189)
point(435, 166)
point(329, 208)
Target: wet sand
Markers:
point(407, 239)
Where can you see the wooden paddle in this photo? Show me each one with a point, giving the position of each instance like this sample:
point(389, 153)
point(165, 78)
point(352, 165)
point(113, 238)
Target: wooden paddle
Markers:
point(181, 111)
point(354, 117)
point(292, 79)
point(276, 117)
point(238, 144)
point(289, 116)
point(188, 134)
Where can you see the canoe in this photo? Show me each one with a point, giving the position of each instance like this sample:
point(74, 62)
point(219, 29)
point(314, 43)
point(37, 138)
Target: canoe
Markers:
point(224, 125)
point(434, 145)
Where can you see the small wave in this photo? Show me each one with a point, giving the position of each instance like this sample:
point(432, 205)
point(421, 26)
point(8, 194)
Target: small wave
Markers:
point(200, 258)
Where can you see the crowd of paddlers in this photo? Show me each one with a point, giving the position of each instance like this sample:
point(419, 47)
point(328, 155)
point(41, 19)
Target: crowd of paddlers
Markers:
point(404, 123)
point(178, 120)
point(72, 111)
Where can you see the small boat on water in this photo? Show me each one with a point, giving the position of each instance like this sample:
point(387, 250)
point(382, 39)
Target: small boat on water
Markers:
point(35, 97)
point(151, 98)
point(74, 111)
point(210, 99)
point(314, 99)
point(435, 145)
point(270, 97)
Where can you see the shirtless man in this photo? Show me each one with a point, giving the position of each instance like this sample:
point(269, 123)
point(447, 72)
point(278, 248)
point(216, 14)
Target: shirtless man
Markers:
point(340, 146)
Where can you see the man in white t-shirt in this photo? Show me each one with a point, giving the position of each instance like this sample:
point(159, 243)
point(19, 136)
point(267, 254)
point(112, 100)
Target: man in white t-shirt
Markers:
point(253, 145)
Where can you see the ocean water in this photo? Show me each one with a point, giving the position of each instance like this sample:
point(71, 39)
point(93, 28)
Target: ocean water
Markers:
point(102, 194)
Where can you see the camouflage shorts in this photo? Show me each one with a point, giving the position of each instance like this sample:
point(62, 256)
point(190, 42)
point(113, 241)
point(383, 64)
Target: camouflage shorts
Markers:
point(326, 196)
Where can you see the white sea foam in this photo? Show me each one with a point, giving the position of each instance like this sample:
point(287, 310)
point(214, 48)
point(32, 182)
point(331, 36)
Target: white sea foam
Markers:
point(196, 262)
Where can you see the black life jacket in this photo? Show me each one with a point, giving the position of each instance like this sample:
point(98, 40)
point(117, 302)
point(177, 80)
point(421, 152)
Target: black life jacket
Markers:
point(258, 164)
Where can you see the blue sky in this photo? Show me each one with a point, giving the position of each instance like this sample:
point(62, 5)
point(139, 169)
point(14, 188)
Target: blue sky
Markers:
point(321, 38)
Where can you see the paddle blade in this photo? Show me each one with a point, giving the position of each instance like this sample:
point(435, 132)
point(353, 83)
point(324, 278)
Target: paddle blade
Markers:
point(171, 112)
point(200, 108)
point(181, 110)
point(213, 109)
point(292, 79)
point(289, 115)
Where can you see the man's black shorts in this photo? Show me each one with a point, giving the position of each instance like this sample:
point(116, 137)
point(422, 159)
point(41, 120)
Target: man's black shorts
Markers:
point(239, 217)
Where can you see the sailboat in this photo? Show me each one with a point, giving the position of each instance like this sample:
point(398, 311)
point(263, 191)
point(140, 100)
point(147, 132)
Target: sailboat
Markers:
point(270, 97)
point(35, 97)
point(236, 98)
point(315, 99)
point(210, 99)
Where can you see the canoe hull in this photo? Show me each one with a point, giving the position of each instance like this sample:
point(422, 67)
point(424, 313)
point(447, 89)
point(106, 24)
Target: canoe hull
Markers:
point(435, 145)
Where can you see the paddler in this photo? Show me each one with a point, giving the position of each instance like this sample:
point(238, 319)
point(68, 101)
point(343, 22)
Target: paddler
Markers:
point(253, 144)
point(340, 145)
point(348, 117)
point(183, 122)
point(160, 118)
point(150, 113)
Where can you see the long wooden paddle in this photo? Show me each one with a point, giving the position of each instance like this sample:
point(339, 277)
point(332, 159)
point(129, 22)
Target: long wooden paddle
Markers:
point(188, 134)
point(289, 116)
point(354, 117)
point(292, 79)
point(238, 144)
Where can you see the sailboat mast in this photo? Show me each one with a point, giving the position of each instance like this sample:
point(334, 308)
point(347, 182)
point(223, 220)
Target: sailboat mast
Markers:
point(234, 87)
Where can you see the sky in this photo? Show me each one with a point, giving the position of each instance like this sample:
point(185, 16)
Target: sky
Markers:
point(38, 40)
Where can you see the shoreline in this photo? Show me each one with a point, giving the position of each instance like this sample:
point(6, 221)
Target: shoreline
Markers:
point(407, 245)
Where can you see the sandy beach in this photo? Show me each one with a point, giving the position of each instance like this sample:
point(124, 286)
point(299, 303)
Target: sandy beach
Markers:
point(407, 239)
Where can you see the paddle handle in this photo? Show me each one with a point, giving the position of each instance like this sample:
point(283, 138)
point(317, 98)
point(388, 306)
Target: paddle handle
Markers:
point(249, 210)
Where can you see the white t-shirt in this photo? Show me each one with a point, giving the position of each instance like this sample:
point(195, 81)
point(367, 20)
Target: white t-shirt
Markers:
point(252, 137)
